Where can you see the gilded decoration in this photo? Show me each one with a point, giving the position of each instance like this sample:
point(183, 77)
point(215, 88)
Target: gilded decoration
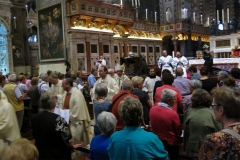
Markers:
point(235, 52)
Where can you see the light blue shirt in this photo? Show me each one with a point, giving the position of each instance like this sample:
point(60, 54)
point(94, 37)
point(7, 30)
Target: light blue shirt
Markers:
point(182, 84)
point(91, 80)
point(196, 76)
point(134, 142)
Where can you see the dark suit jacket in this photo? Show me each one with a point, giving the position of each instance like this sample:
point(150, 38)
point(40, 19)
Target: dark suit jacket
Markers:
point(67, 75)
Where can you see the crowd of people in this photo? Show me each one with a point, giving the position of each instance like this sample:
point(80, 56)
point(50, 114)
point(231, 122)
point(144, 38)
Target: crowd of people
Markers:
point(134, 118)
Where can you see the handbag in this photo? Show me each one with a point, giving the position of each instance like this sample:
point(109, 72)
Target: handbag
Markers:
point(232, 133)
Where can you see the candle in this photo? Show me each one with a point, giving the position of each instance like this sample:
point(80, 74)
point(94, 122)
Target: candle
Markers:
point(138, 2)
point(136, 13)
point(223, 16)
point(27, 11)
point(156, 17)
point(201, 19)
point(193, 16)
point(121, 3)
point(15, 25)
point(172, 54)
point(182, 11)
point(146, 14)
point(167, 16)
point(218, 16)
point(186, 13)
point(133, 3)
point(227, 15)
point(208, 21)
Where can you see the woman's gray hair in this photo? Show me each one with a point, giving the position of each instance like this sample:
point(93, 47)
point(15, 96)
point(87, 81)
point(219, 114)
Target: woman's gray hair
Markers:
point(222, 75)
point(131, 111)
point(195, 84)
point(107, 123)
point(47, 101)
point(101, 90)
point(167, 94)
point(12, 78)
point(43, 75)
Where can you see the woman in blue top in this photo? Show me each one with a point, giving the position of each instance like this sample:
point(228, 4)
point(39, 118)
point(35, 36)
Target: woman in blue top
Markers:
point(100, 105)
point(99, 144)
point(134, 142)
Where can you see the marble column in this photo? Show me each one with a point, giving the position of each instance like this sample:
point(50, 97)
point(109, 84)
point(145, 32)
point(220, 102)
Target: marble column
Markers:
point(100, 47)
point(161, 48)
point(120, 50)
point(147, 54)
point(88, 56)
point(125, 49)
point(139, 49)
point(154, 55)
point(130, 48)
point(175, 46)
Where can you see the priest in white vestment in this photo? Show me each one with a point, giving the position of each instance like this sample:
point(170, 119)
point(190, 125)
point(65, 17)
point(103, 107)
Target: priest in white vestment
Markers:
point(182, 62)
point(110, 83)
point(149, 83)
point(9, 129)
point(79, 118)
point(100, 62)
point(56, 88)
point(165, 62)
point(120, 77)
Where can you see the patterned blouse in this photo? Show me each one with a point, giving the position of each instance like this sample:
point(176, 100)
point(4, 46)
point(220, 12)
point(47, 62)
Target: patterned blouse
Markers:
point(221, 146)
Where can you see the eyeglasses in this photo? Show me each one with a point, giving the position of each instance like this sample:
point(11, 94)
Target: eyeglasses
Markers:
point(212, 106)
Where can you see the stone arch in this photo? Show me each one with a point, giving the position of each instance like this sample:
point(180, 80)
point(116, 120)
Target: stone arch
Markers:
point(3, 21)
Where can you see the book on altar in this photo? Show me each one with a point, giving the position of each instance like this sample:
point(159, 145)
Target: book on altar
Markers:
point(63, 113)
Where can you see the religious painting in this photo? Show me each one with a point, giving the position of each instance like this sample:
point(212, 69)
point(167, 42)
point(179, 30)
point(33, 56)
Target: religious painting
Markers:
point(51, 39)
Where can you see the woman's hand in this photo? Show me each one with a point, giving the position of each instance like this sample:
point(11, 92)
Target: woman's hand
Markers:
point(76, 145)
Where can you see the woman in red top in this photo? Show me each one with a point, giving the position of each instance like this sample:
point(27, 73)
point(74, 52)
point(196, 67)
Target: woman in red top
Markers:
point(166, 123)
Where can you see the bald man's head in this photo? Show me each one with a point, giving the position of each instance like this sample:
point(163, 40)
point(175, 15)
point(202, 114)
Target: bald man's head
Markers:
point(179, 71)
point(127, 85)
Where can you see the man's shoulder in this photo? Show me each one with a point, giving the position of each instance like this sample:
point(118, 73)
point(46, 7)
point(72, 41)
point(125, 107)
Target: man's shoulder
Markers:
point(124, 94)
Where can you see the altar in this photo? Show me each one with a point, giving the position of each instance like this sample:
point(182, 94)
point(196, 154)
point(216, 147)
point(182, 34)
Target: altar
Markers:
point(220, 63)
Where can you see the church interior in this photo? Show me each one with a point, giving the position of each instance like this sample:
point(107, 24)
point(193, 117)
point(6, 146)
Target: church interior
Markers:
point(38, 36)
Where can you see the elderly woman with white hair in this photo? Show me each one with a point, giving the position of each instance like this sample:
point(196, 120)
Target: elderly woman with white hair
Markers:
point(133, 142)
point(99, 144)
point(100, 104)
point(187, 102)
point(166, 123)
point(222, 75)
